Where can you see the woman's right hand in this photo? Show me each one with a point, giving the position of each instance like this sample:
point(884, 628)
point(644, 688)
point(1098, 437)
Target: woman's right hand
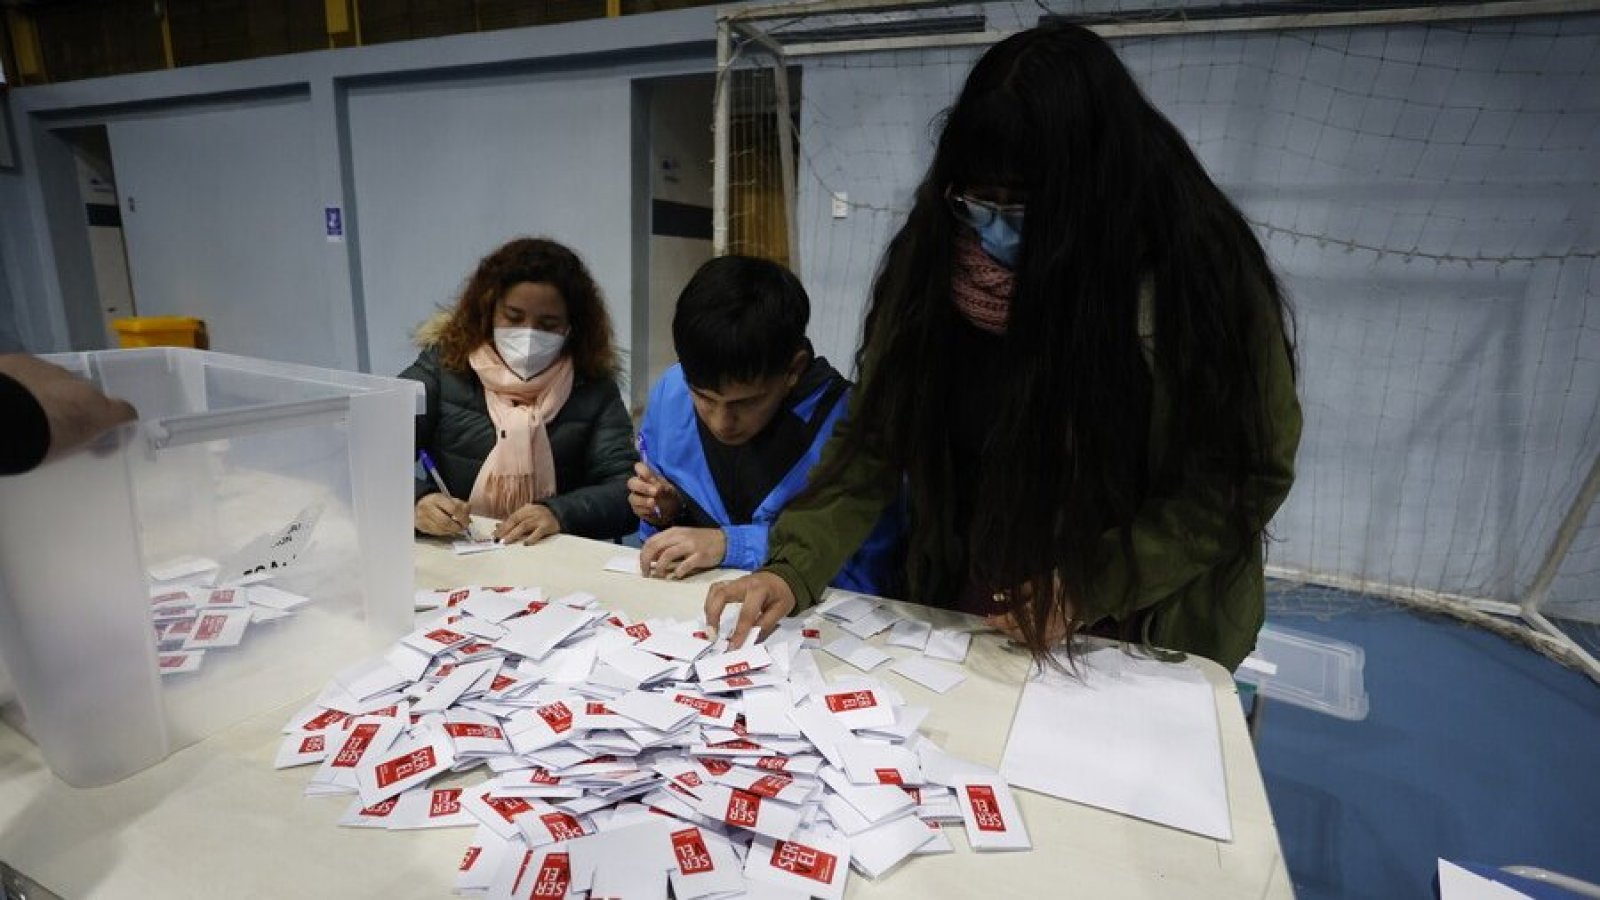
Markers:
point(442, 516)
point(763, 599)
point(653, 498)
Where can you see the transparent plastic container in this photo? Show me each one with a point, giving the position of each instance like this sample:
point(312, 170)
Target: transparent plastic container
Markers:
point(1307, 670)
point(227, 451)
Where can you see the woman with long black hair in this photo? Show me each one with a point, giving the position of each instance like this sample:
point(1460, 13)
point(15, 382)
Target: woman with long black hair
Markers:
point(1078, 364)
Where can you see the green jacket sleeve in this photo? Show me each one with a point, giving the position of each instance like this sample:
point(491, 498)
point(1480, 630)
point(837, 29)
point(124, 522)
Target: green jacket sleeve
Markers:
point(1181, 536)
point(809, 544)
point(599, 509)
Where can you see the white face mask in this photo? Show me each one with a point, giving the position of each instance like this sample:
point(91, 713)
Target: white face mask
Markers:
point(528, 351)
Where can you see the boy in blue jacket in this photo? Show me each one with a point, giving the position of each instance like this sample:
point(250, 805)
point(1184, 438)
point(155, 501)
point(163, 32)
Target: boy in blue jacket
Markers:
point(732, 430)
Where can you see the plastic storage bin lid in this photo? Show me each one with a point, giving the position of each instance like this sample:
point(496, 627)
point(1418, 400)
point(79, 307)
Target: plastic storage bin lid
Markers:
point(1318, 673)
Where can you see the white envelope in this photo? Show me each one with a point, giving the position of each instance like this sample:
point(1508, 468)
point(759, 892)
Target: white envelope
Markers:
point(497, 812)
point(929, 674)
point(870, 624)
point(992, 818)
point(636, 666)
point(846, 607)
point(720, 712)
point(738, 662)
point(866, 763)
point(653, 710)
point(857, 653)
point(475, 734)
point(910, 633)
point(482, 859)
point(551, 723)
point(179, 662)
point(766, 711)
point(373, 815)
point(949, 644)
point(778, 786)
point(704, 864)
point(432, 808)
point(443, 695)
point(535, 635)
point(303, 748)
point(752, 812)
point(366, 738)
point(276, 598)
point(224, 598)
point(823, 730)
point(675, 645)
point(436, 637)
point(496, 606)
point(875, 802)
point(858, 708)
point(879, 849)
point(405, 765)
point(816, 863)
point(217, 628)
point(547, 825)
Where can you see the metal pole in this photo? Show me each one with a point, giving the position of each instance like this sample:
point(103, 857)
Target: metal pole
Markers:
point(720, 144)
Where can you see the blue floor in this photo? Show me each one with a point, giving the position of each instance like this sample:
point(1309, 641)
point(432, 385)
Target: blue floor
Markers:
point(1475, 749)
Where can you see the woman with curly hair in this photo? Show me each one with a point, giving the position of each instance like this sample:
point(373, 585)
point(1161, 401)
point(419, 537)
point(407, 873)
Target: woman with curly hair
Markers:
point(524, 417)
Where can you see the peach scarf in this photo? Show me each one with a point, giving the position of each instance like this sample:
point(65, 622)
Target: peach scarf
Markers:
point(521, 468)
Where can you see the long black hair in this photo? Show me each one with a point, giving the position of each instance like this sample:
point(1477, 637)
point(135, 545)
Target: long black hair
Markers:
point(1114, 198)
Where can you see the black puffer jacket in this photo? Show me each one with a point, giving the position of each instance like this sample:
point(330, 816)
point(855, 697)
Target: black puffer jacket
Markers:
point(591, 439)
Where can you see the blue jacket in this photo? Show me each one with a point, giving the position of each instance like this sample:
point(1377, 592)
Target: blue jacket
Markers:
point(672, 437)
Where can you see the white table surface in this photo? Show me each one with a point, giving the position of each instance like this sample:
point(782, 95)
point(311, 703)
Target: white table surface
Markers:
point(215, 820)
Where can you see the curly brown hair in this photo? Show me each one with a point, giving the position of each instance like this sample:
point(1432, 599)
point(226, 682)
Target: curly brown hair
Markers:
point(470, 324)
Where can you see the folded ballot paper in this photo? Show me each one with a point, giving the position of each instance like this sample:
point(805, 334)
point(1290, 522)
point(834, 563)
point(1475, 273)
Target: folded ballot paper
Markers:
point(634, 759)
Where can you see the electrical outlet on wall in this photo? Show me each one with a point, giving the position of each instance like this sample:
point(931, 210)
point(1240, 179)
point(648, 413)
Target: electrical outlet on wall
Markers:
point(841, 205)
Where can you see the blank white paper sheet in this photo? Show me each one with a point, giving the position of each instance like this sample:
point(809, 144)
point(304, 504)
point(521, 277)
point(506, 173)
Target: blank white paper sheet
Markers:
point(1133, 736)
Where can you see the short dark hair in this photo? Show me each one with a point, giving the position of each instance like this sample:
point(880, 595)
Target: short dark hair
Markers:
point(739, 319)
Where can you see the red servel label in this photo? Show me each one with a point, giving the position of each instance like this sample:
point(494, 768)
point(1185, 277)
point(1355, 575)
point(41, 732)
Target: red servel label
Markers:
point(770, 785)
point(470, 857)
point(508, 807)
point(327, 719)
point(716, 766)
point(456, 598)
point(807, 862)
point(402, 767)
point(210, 627)
point(736, 668)
point(773, 763)
point(355, 745)
point(690, 849)
point(889, 776)
point(638, 631)
point(501, 682)
point(541, 775)
point(554, 876)
point(708, 708)
point(593, 708)
point(985, 808)
point(218, 598)
point(313, 744)
point(740, 681)
point(743, 807)
point(379, 810)
point(557, 716)
point(445, 636)
point(562, 826)
point(851, 700)
point(446, 802)
point(472, 730)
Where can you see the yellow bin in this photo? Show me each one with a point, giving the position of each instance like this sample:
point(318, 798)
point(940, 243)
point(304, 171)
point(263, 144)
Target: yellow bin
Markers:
point(161, 331)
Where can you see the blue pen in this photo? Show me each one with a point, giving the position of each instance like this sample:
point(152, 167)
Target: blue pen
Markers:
point(433, 472)
point(644, 457)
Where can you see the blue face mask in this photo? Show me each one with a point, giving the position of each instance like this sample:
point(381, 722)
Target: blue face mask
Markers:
point(999, 227)
point(1002, 239)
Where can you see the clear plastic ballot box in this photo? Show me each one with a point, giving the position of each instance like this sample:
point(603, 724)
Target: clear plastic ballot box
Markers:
point(289, 479)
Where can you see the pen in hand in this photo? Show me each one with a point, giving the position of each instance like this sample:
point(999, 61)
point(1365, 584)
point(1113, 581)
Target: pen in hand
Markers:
point(433, 472)
point(644, 457)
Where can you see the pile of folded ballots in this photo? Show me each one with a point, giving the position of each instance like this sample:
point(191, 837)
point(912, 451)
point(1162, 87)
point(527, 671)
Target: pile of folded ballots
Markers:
point(630, 759)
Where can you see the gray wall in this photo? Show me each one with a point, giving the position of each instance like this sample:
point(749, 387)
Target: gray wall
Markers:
point(436, 151)
point(680, 154)
point(1452, 402)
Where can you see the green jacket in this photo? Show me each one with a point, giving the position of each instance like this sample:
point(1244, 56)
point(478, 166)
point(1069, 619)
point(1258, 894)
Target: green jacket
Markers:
point(1202, 586)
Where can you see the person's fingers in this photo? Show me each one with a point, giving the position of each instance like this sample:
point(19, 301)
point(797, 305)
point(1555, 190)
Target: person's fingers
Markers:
point(641, 470)
point(1006, 625)
point(773, 614)
point(749, 614)
point(514, 528)
point(542, 527)
point(458, 512)
point(717, 599)
point(650, 554)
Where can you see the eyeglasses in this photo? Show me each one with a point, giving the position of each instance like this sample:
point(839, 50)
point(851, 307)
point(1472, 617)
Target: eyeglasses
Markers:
point(981, 213)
